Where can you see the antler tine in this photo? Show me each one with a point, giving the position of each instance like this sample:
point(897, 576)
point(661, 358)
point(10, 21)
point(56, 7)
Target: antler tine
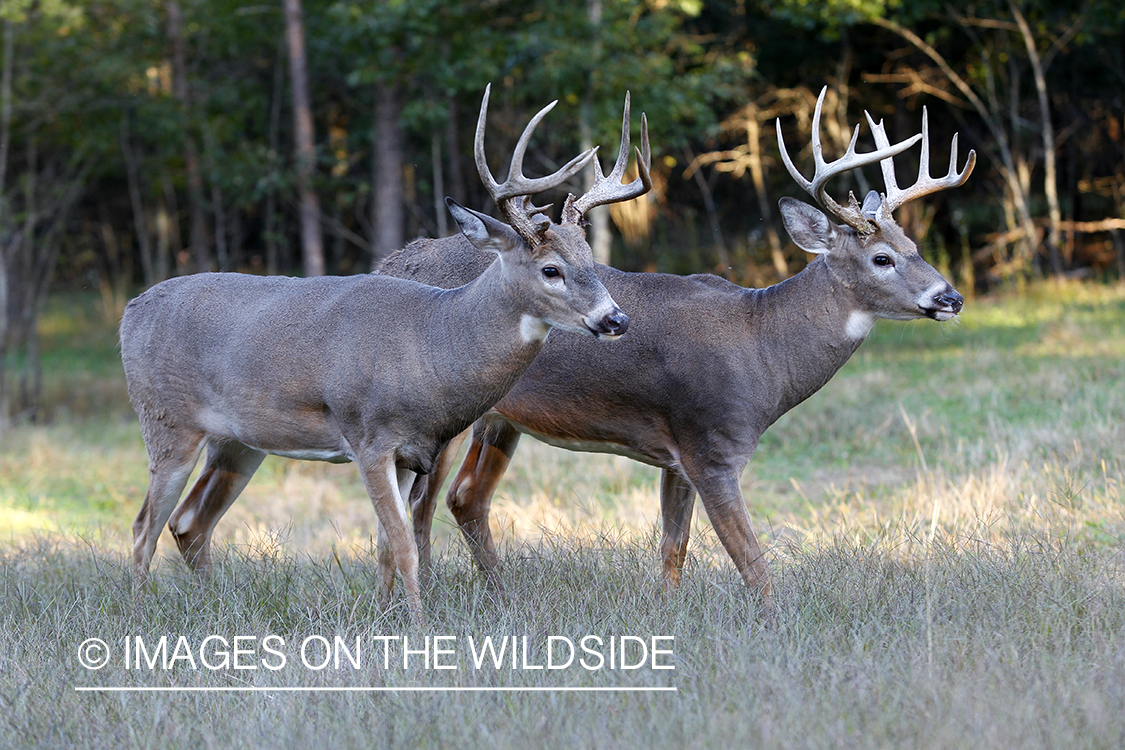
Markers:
point(878, 130)
point(519, 212)
point(824, 171)
point(478, 147)
point(925, 184)
point(608, 189)
point(517, 184)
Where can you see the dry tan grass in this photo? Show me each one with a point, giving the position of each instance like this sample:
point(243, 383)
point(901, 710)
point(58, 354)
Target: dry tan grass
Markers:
point(946, 521)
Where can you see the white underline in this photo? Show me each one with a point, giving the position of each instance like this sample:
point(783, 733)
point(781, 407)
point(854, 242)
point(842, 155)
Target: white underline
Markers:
point(357, 689)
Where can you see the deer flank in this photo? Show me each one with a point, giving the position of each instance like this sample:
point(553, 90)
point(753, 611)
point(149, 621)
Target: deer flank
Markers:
point(707, 367)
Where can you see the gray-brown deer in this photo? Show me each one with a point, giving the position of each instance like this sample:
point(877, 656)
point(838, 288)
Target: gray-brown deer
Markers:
point(707, 365)
point(371, 369)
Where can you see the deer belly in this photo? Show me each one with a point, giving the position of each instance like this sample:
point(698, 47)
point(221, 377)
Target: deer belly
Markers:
point(308, 439)
point(312, 454)
point(588, 446)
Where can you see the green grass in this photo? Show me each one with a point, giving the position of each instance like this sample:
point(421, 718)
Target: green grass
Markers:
point(945, 519)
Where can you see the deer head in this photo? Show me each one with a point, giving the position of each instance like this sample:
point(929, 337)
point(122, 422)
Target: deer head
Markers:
point(870, 253)
point(562, 260)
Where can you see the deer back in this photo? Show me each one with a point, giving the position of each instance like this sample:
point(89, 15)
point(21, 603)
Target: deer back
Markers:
point(708, 365)
point(700, 351)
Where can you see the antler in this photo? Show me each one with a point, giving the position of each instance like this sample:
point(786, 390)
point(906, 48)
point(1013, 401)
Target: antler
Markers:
point(852, 215)
point(512, 195)
point(608, 189)
point(925, 184)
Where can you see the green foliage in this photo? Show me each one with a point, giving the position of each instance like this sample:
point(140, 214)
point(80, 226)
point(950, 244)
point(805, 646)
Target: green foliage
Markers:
point(92, 78)
point(831, 15)
point(67, 17)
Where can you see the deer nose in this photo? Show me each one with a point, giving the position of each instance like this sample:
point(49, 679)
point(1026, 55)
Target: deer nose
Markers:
point(950, 299)
point(615, 324)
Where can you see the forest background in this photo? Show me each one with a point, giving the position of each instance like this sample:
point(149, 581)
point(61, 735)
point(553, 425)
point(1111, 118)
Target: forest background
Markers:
point(142, 139)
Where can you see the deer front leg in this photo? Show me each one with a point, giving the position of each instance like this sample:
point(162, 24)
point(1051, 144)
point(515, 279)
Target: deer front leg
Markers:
point(722, 499)
point(423, 500)
point(677, 501)
point(470, 496)
point(226, 472)
point(388, 487)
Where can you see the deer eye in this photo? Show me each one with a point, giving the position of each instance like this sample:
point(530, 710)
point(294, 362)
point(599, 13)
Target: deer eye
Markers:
point(882, 259)
point(551, 272)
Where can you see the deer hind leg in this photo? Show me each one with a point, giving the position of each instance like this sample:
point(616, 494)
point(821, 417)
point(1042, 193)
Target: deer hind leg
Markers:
point(172, 456)
point(722, 498)
point(677, 502)
point(226, 471)
point(470, 496)
point(389, 487)
point(423, 500)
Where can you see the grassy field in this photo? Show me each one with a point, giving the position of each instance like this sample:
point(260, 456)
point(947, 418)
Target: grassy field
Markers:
point(946, 522)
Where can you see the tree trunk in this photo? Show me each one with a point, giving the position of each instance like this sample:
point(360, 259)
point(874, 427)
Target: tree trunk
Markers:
point(598, 232)
point(273, 138)
point(4, 400)
point(1050, 177)
point(386, 196)
point(712, 216)
point(169, 242)
point(200, 249)
point(439, 185)
point(758, 177)
point(140, 223)
point(5, 114)
point(236, 239)
point(5, 133)
point(455, 184)
point(222, 251)
point(118, 264)
point(23, 282)
point(312, 245)
point(1119, 249)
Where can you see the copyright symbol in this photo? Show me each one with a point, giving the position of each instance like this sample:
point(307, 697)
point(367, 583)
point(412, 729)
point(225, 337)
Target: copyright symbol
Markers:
point(93, 653)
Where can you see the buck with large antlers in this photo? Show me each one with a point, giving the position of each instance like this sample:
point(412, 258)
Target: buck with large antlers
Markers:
point(707, 365)
point(371, 369)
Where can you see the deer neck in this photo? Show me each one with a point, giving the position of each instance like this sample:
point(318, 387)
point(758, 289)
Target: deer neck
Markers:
point(806, 328)
point(494, 342)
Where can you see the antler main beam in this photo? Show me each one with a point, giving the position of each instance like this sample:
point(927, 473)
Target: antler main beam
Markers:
point(824, 171)
point(925, 184)
point(510, 195)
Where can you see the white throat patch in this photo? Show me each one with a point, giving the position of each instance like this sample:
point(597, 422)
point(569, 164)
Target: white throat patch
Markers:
point(533, 330)
point(859, 325)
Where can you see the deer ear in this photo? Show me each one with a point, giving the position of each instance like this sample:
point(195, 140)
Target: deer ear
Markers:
point(485, 232)
point(810, 229)
point(871, 203)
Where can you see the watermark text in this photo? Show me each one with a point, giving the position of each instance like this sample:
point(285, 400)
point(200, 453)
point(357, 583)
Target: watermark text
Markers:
point(319, 653)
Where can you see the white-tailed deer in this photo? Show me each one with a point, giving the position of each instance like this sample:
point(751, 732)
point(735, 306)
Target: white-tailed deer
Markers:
point(707, 365)
point(371, 369)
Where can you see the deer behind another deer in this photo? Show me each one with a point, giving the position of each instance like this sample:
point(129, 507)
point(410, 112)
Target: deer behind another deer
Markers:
point(707, 366)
